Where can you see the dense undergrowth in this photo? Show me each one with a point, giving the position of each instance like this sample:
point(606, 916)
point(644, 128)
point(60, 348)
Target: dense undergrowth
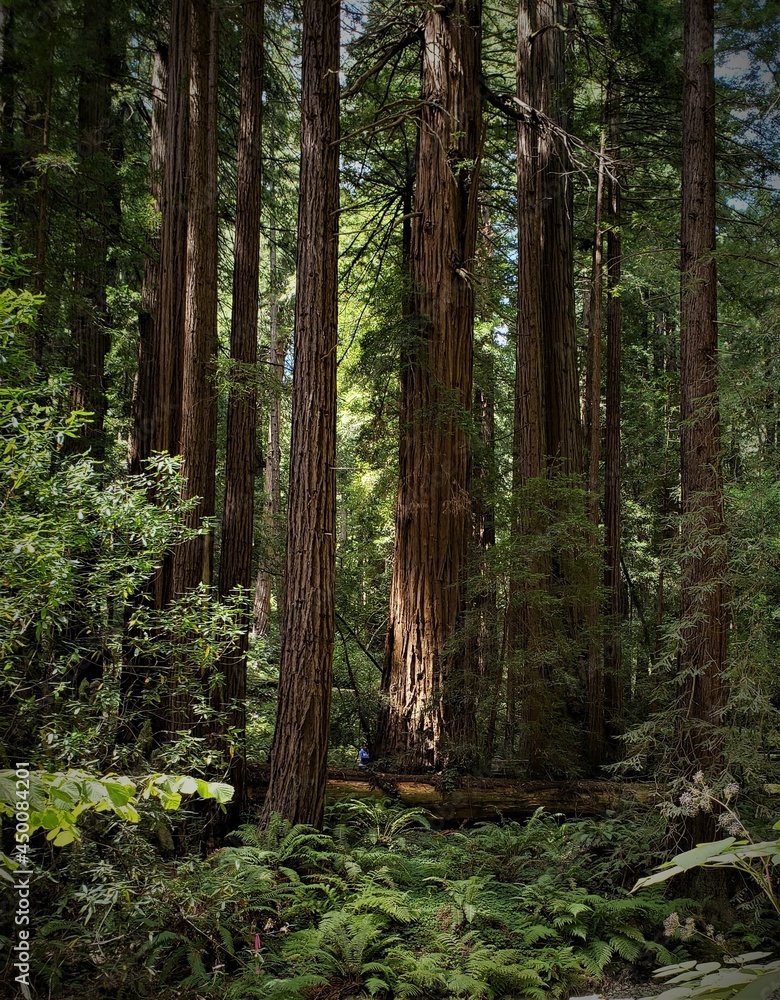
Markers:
point(379, 904)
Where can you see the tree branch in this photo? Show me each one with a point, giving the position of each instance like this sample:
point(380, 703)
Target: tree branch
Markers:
point(382, 61)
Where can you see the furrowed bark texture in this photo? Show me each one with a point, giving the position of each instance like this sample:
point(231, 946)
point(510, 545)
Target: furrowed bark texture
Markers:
point(529, 448)
point(169, 335)
point(433, 506)
point(235, 569)
point(238, 521)
point(559, 327)
point(299, 758)
point(704, 556)
point(192, 560)
point(547, 427)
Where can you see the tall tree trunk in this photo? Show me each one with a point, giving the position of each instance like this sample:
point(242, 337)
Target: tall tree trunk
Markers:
point(235, 568)
point(559, 328)
point(529, 439)
point(192, 561)
point(548, 429)
point(273, 458)
point(136, 670)
point(703, 631)
point(614, 682)
point(595, 677)
point(421, 712)
point(96, 204)
point(299, 757)
point(169, 336)
point(140, 443)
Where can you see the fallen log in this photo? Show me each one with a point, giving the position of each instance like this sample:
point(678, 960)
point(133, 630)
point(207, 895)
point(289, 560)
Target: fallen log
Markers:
point(463, 797)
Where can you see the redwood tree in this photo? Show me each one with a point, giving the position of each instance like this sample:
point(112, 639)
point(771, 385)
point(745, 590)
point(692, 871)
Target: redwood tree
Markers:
point(529, 441)
point(235, 568)
point(420, 678)
point(547, 425)
point(192, 561)
point(299, 757)
point(703, 650)
point(168, 341)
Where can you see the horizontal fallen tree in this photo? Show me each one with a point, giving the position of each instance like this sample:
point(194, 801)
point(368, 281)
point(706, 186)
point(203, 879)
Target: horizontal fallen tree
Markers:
point(463, 797)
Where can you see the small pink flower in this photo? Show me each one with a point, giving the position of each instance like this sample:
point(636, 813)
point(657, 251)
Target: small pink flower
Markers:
point(257, 942)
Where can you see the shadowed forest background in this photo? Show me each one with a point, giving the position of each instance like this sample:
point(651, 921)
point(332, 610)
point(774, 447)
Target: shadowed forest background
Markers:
point(406, 377)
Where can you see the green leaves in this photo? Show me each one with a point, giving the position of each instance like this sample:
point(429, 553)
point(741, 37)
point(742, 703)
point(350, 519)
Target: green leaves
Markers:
point(695, 858)
point(743, 977)
point(56, 801)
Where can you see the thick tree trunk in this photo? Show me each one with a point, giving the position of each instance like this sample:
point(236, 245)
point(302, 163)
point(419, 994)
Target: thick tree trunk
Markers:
point(548, 429)
point(299, 757)
point(469, 798)
point(703, 650)
point(169, 336)
point(96, 208)
point(595, 678)
point(420, 716)
point(235, 568)
point(559, 328)
point(141, 433)
point(529, 447)
point(614, 682)
point(192, 561)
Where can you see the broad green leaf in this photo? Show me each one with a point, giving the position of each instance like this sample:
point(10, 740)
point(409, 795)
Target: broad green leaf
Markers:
point(64, 837)
point(187, 785)
point(761, 988)
point(685, 977)
point(676, 993)
point(673, 970)
point(701, 853)
point(727, 977)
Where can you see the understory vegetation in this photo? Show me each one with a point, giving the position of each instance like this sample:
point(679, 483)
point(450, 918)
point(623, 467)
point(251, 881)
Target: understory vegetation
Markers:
point(466, 480)
point(377, 904)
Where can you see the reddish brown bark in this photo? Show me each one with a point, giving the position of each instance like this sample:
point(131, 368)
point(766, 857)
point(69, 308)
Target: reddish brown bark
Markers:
point(235, 568)
point(524, 625)
point(192, 561)
point(559, 329)
point(299, 756)
point(238, 519)
point(548, 430)
point(703, 651)
point(165, 410)
point(420, 715)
